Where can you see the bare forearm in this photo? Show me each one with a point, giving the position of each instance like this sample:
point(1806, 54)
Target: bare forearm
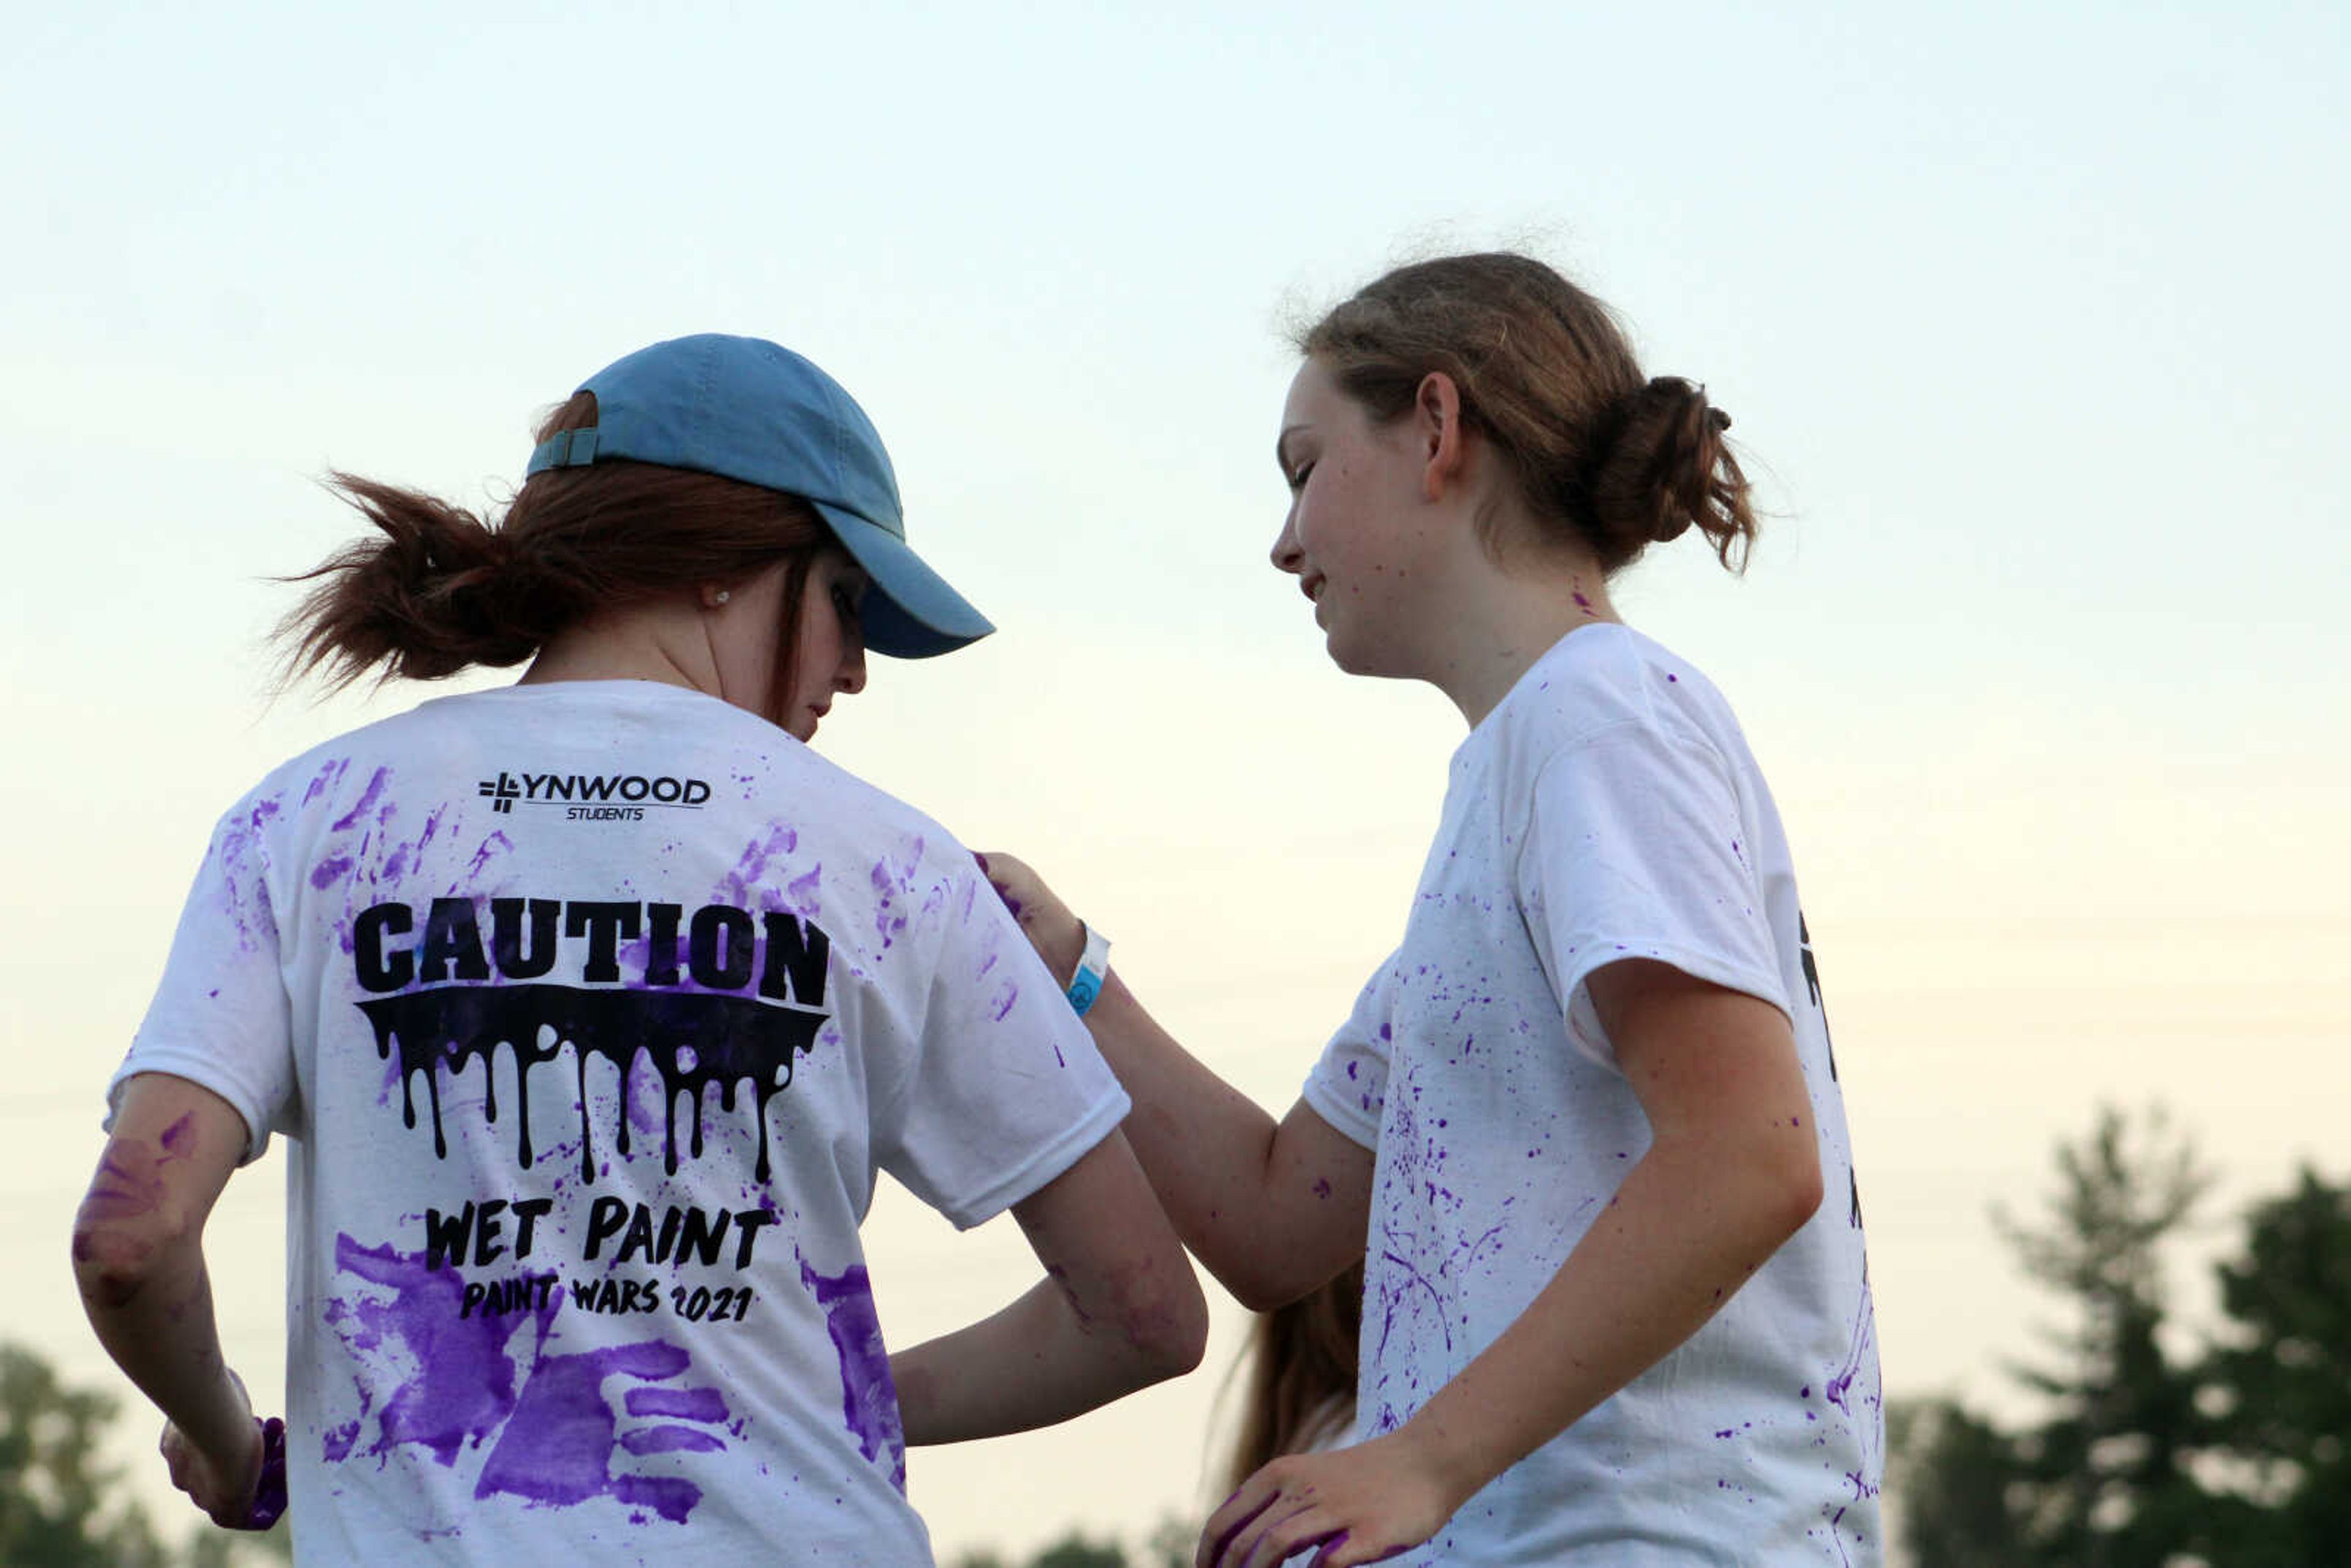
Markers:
point(1205, 1146)
point(1036, 1363)
point(156, 1321)
point(1685, 1230)
point(1271, 1214)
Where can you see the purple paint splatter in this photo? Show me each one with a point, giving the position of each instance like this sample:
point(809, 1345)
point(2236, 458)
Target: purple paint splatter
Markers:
point(869, 1399)
point(367, 798)
point(553, 1439)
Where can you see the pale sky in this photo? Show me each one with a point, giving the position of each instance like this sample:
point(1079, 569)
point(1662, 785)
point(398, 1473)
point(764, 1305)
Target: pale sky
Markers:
point(2030, 317)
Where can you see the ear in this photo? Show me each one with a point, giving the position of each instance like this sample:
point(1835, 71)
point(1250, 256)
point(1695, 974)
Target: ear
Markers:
point(1436, 420)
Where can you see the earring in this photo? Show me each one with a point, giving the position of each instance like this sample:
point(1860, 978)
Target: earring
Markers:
point(720, 597)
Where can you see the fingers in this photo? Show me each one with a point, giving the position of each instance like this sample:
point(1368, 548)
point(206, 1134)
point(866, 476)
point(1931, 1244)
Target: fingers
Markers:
point(1042, 917)
point(1232, 1517)
point(225, 1493)
point(1260, 1526)
point(173, 1447)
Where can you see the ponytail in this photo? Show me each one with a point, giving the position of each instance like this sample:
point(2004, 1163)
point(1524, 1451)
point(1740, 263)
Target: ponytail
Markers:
point(438, 589)
point(433, 594)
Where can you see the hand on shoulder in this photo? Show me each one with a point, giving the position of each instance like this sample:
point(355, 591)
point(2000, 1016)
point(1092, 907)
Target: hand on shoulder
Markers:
point(1059, 936)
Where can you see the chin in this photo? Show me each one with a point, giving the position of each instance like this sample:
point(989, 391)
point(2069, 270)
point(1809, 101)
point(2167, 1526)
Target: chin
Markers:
point(1354, 660)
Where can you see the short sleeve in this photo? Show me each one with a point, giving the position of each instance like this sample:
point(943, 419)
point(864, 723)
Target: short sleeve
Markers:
point(1637, 848)
point(1347, 1087)
point(221, 1018)
point(1007, 1089)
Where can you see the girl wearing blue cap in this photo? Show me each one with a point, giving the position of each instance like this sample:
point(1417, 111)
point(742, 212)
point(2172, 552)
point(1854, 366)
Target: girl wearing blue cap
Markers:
point(1583, 1126)
point(591, 1007)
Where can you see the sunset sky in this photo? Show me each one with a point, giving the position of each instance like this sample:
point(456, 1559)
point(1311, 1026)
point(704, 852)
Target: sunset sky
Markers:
point(2030, 318)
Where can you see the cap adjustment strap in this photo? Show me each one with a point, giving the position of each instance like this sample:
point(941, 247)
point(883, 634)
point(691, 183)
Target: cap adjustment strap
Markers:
point(564, 449)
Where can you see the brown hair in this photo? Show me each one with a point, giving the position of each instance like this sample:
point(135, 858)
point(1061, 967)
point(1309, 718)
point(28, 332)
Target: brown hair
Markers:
point(1300, 1374)
point(443, 589)
point(1546, 376)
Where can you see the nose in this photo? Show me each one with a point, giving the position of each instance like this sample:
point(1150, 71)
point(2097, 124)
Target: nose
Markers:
point(1287, 555)
point(849, 679)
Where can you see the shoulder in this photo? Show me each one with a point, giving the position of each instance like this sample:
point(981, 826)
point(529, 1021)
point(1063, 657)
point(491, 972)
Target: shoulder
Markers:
point(1609, 682)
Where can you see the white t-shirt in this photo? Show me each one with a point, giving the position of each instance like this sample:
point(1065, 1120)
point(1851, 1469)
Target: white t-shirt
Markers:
point(591, 1011)
point(1607, 808)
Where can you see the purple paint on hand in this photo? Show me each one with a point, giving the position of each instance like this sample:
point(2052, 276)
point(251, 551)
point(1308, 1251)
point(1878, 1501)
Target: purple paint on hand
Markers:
point(869, 1399)
point(268, 1502)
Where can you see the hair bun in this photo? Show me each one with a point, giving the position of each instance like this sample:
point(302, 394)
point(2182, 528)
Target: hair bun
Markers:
point(1663, 467)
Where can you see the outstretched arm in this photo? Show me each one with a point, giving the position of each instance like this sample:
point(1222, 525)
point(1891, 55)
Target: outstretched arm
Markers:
point(1274, 1209)
point(138, 1258)
point(1733, 1171)
point(1117, 1311)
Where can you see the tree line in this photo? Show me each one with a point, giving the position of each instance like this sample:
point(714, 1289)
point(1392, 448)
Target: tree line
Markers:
point(2229, 1446)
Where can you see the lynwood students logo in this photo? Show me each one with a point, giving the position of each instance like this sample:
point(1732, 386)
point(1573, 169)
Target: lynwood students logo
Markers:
point(611, 796)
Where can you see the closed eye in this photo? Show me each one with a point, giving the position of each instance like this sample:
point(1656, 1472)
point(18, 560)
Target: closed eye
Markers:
point(1298, 479)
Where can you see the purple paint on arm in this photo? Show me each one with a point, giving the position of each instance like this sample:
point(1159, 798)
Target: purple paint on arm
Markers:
point(869, 1399)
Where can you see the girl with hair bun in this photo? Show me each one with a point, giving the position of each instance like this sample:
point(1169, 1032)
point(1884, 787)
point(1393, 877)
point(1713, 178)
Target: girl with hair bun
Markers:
point(1582, 1128)
point(591, 1007)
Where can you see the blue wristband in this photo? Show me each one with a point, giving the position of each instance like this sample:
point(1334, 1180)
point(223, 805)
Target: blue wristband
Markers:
point(1086, 985)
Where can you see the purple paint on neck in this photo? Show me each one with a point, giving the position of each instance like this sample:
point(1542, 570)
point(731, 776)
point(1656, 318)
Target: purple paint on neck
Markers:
point(869, 1399)
point(367, 798)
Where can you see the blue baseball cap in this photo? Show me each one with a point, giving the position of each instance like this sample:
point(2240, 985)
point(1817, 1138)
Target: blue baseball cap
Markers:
point(743, 408)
